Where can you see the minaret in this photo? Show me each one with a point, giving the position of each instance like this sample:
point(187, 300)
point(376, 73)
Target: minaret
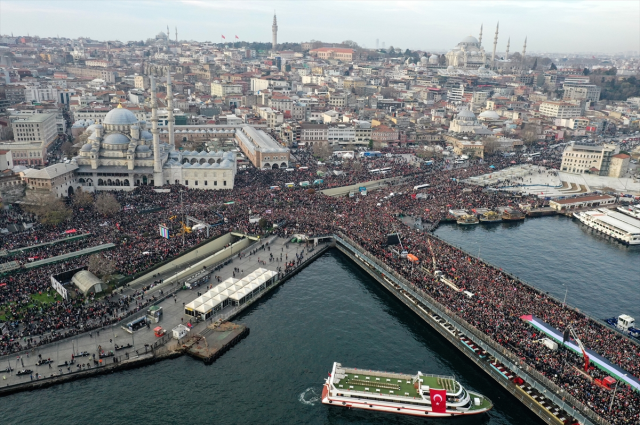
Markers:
point(524, 51)
point(157, 160)
point(172, 136)
point(506, 56)
point(168, 35)
point(176, 35)
point(274, 34)
point(495, 44)
point(480, 38)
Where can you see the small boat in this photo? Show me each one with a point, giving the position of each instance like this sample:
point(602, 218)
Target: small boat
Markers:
point(468, 219)
point(630, 210)
point(624, 324)
point(512, 215)
point(490, 217)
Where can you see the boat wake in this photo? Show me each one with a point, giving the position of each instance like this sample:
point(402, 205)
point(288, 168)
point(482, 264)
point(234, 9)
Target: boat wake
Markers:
point(309, 397)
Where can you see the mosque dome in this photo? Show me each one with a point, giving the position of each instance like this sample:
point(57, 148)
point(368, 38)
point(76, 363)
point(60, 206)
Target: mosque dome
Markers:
point(116, 139)
point(119, 116)
point(424, 60)
point(465, 113)
point(145, 135)
point(450, 68)
point(433, 59)
point(86, 147)
point(489, 115)
point(142, 148)
point(469, 39)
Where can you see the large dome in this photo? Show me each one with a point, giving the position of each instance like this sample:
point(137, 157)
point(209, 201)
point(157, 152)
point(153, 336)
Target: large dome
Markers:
point(469, 39)
point(116, 139)
point(465, 113)
point(489, 115)
point(119, 116)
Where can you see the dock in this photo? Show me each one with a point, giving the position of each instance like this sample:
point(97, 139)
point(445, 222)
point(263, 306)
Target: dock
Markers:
point(214, 341)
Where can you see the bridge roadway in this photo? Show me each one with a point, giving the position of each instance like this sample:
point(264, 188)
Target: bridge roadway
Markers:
point(109, 336)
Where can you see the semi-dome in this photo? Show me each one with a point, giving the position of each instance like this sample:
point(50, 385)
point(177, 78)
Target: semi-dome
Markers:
point(465, 113)
point(145, 135)
point(489, 115)
point(142, 148)
point(116, 139)
point(119, 116)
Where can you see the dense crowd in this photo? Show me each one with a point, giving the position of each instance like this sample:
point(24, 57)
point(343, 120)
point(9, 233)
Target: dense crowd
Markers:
point(495, 309)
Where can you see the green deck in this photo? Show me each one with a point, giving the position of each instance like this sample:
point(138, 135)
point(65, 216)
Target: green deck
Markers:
point(392, 385)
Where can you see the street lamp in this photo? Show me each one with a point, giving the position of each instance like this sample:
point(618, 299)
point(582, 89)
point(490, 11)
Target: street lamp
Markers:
point(564, 302)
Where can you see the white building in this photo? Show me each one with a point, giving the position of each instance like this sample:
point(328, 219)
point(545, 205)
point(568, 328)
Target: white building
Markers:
point(560, 110)
point(222, 89)
point(582, 158)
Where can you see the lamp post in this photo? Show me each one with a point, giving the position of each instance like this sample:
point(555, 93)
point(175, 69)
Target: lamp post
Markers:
point(613, 396)
point(564, 302)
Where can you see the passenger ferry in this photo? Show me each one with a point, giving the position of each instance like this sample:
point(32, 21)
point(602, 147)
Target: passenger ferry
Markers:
point(490, 217)
point(617, 225)
point(631, 210)
point(417, 395)
point(467, 219)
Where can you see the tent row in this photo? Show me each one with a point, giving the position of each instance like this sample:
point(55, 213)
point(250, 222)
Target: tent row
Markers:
point(232, 292)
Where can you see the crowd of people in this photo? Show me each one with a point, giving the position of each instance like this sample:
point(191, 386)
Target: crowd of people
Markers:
point(495, 309)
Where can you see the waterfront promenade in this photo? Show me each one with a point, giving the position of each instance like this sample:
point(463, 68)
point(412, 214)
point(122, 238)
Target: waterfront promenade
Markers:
point(143, 340)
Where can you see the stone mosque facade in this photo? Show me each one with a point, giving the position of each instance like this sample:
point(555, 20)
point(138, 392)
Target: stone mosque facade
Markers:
point(467, 54)
point(123, 153)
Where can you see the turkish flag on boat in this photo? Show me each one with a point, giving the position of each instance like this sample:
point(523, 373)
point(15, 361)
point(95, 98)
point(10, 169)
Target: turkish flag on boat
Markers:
point(438, 400)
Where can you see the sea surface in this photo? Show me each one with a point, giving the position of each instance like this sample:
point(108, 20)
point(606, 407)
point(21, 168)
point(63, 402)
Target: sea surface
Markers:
point(559, 255)
point(330, 311)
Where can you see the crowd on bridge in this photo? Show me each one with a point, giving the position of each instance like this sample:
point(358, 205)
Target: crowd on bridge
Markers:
point(254, 207)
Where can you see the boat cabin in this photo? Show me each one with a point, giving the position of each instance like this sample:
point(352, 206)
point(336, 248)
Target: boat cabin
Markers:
point(625, 322)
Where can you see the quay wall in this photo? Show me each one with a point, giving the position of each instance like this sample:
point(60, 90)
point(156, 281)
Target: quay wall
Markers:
point(555, 394)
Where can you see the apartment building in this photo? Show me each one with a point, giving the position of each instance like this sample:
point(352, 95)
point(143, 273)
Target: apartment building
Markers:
point(587, 158)
point(560, 110)
point(222, 89)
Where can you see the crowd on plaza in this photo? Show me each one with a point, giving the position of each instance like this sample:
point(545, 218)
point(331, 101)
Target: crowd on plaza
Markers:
point(495, 309)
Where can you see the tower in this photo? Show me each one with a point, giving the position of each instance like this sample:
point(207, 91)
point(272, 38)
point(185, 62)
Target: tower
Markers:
point(176, 35)
point(495, 44)
point(172, 136)
point(157, 160)
point(274, 34)
point(506, 56)
point(524, 50)
point(480, 38)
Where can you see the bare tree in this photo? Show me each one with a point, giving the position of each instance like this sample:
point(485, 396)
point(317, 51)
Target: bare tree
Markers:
point(322, 150)
point(101, 266)
point(66, 148)
point(48, 208)
point(107, 204)
point(491, 145)
point(530, 134)
point(82, 199)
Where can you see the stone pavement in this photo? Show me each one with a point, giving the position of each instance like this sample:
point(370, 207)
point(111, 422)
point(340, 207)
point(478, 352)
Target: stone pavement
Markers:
point(173, 315)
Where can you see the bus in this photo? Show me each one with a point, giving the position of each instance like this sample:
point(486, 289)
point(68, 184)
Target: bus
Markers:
point(375, 171)
point(385, 170)
point(370, 154)
point(421, 186)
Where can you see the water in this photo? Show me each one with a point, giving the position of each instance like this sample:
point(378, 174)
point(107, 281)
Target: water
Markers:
point(331, 311)
point(559, 253)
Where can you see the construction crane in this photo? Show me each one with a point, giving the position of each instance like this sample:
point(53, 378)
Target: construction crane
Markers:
point(584, 352)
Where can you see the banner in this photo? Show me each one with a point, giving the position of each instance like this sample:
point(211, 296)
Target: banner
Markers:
point(164, 231)
point(438, 400)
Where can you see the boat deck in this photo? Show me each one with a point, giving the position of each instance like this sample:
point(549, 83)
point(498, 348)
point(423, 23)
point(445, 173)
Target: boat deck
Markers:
point(392, 385)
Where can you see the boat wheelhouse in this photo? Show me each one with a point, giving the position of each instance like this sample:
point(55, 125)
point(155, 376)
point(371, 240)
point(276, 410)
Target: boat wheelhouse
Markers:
point(418, 395)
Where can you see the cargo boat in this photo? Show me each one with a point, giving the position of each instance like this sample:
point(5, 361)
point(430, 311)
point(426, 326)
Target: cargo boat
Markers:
point(417, 395)
point(467, 219)
point(512, 215)
point(490, 217)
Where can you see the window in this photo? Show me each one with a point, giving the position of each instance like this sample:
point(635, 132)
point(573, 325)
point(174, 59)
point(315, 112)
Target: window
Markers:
point(196, 183)
point(206, 183)
point(186, 182)
point(215, 182)
point(224, 183)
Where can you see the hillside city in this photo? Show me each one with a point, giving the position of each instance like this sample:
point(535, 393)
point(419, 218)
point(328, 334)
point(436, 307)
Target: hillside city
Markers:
point(121, 162)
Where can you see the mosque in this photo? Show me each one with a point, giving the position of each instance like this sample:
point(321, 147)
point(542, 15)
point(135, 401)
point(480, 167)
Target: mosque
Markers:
point(122, 153)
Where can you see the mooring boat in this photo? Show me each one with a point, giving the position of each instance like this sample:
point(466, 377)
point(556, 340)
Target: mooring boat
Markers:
point(490, 217)
point(512, 215)
point(625, 324)
point(468, 219)
point(416, 395)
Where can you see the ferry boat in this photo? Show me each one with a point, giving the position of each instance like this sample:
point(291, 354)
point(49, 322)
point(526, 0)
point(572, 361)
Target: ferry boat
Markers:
point(512, 215)
point(467, 219)
point(490, 217)
point(417, 395)
point(617, 225)
point(631, 210)
point(625, 324)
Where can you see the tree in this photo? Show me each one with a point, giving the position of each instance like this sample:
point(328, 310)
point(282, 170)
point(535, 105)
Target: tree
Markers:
point(322, 150)
point(535, 64)
point(611, 71)
point(553, 67)
point(107, 204)
point(370, 144)
point(407, 52)
point(391, 50)
point(82, 199)
point(66, 148)
point(491, 145)
point(586, 71)
point(530, 134)
point(263, 223)
point(49, 209)
point(101, 266)
point(350, 43)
